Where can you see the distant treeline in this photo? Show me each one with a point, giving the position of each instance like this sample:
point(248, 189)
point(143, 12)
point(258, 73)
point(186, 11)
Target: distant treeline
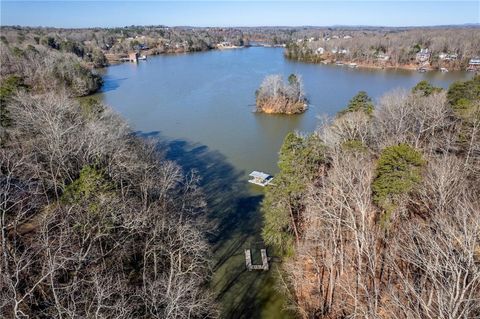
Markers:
point(94, 45)
point(451, 48)
point(368, 45)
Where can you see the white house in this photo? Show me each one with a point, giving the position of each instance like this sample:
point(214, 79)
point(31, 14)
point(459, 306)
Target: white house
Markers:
point(382, 57)
point(320, 50)
point(474, 61)
point(448, 56)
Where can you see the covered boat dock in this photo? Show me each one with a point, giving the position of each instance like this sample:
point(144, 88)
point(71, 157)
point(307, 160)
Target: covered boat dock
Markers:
point(260, 178)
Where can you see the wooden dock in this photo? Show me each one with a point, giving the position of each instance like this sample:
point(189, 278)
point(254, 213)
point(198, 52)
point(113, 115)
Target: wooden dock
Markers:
point(248, 260)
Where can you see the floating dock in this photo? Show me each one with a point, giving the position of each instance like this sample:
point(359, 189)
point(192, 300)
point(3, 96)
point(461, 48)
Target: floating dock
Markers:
point(248, 260)
point(260, 178)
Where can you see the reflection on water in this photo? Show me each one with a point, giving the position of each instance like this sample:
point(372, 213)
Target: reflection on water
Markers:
point(202, 103)
point(233, 210)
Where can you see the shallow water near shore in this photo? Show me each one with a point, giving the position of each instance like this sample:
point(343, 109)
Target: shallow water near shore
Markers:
point(201, 105)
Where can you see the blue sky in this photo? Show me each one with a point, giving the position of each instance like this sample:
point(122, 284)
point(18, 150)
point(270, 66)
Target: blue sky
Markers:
point(237, 13)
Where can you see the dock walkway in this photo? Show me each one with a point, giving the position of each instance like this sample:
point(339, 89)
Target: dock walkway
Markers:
point(248, 260)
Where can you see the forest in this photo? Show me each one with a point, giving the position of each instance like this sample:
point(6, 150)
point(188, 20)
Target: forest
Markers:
point(377, 213)
point(95, 222)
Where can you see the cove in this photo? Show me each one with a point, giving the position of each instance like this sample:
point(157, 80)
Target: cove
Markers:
point(200, 106)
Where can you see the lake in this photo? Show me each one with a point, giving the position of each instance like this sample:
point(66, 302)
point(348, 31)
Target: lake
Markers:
point(200, 107)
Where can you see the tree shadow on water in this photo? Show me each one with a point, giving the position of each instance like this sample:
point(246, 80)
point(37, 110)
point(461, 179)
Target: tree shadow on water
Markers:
point(110, 83)
point(235, 212)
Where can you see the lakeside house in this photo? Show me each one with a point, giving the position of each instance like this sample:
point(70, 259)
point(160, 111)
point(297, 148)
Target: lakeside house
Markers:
point(141, 47)
point(340, 51)
point(423, 55)
point(474, 64)
point(448, 56)
point(474, 61)
point(382, 57)
point(320, 51)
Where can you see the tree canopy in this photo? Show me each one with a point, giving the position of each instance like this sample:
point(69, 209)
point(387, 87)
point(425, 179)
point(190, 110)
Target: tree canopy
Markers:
point(282, 207)
point(361, 102)
point(424, 87)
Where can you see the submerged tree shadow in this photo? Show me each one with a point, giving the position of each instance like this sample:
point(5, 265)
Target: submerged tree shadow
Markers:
point(235, 212)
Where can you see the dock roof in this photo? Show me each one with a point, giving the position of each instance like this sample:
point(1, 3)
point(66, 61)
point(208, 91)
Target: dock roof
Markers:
point(257, 174)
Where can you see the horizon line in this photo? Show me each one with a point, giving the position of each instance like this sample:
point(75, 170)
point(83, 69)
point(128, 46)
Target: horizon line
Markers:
point(470, 24)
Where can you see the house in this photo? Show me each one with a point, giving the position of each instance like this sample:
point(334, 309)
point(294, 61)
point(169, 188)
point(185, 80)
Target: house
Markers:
point(320, 50)
point(452, 57)
point(141, 47)
point(448, 56)
point(423, 55)
point(347, 37)
point(343, 51)
point(474, 62)
point(382, 57)
point(311, 39)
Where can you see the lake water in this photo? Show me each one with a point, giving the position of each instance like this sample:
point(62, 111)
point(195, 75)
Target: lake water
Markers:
point(200, 107)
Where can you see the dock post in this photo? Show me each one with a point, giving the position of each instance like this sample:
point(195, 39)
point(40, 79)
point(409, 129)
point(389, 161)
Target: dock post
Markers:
point(248, 259)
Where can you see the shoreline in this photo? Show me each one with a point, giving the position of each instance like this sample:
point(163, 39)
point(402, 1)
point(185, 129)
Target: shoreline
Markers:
point(364, 65)
point(115, 59)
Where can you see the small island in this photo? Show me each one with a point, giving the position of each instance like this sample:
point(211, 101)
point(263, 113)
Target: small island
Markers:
point(277, 97)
